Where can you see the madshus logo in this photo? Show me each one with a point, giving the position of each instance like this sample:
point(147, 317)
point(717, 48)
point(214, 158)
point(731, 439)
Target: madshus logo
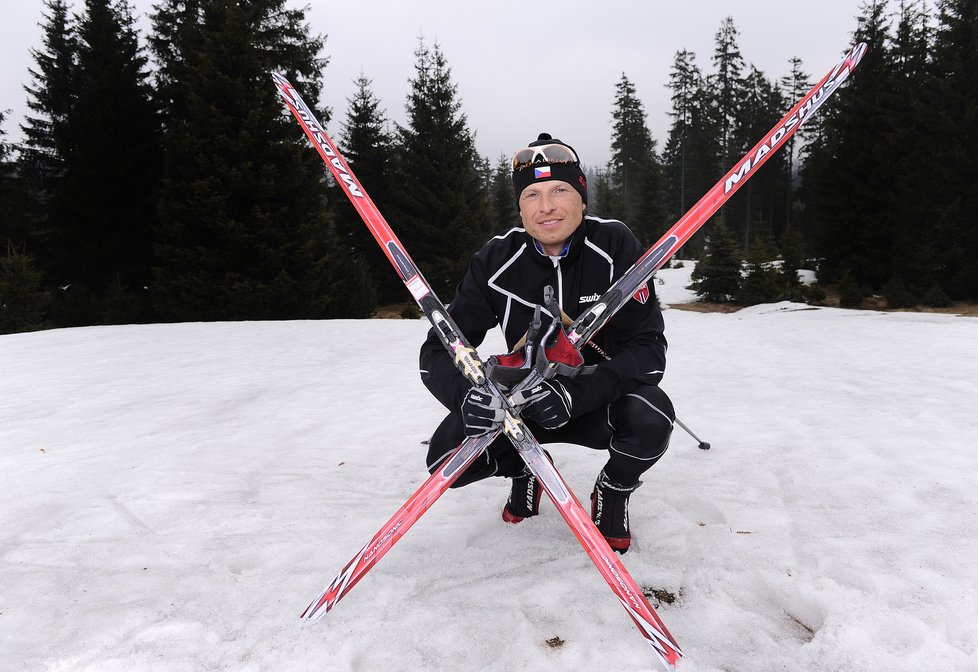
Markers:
point(796, 118)
point(318, 135)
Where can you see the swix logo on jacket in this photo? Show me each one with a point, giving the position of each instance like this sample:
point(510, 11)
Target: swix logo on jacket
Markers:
point(506, 280)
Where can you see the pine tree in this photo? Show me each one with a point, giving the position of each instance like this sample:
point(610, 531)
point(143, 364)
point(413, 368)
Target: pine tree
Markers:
point(794, 85)
point(368, 148)
point(14, 200)
point(849, 174)
point(114, 167)
point(442, 204)
point(728, 90)
point(763, 198)
point(634, 166)
point(851, 293)
point(793, 260)
point(23, 299)
point(897, 295)
point(734, 99)
point(604, 197)
point(954, 191)
point(47, 149)
point(502, 201)
point(912, 257)
point(243, 213)
point(685, 80)
point(690, 155)
point(717, 275)
point(761, 281)
point(176, 34)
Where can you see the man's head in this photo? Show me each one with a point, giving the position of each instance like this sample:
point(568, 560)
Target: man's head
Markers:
point(548, 159)
point(551, 191)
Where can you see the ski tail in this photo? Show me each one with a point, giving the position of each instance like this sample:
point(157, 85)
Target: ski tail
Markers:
point(388, 535)
point(609, 564)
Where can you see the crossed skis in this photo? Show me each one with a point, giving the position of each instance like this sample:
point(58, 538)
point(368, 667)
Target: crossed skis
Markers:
point(584, 328)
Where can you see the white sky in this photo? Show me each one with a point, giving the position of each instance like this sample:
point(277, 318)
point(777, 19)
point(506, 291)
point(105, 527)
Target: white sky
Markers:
point(521, 67)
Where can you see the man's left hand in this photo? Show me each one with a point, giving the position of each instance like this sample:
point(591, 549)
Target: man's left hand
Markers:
point(549, 404)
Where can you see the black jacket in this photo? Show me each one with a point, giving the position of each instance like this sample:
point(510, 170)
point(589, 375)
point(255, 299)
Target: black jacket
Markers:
point(506, 279)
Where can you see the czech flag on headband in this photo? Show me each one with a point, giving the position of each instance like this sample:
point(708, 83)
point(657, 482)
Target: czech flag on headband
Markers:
point(539, 173)
point(642, 293)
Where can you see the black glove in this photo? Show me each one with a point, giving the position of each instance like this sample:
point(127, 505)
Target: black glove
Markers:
point(549, 404)
point(481, 412)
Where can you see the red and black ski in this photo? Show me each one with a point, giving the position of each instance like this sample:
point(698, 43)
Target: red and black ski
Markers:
point(467, 360)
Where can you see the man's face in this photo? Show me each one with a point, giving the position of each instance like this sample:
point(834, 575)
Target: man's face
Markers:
point(551, 212)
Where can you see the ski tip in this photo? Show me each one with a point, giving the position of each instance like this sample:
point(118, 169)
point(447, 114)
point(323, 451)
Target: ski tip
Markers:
point(310, 612)
point(857, 52)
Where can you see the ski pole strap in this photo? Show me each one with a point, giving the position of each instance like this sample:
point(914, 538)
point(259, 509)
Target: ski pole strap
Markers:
point(548, 351)
point(554, 309)
point(559, 355)
point(509, 369)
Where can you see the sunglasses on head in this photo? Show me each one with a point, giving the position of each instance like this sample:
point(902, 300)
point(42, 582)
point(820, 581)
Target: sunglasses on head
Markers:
point(543, 154)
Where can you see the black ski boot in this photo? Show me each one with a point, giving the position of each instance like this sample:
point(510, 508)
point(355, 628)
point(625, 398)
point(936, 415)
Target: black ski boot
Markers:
point(524, 495)
point(609, 511)
point(524, 498)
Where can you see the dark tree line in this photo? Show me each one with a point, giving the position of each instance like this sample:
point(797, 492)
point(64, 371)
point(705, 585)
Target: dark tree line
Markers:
point(161, 179)
point(877, 192)
point(891, 188)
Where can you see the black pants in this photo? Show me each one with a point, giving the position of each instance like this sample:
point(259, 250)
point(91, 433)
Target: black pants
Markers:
point(634, 429)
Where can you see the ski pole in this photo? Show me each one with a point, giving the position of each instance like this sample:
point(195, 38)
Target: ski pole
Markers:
point(703, 444)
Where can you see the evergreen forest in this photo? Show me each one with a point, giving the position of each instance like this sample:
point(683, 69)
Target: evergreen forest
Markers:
point(159, 177)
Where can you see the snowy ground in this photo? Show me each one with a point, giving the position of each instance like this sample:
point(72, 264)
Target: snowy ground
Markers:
point(172, 496)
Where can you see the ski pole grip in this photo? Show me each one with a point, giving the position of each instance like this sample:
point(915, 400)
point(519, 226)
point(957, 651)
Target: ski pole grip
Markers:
point(565, 320)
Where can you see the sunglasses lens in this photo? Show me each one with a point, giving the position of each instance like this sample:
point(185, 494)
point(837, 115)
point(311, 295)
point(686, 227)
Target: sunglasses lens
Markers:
point(559, 154)
point(543, 154)
point(524, 157)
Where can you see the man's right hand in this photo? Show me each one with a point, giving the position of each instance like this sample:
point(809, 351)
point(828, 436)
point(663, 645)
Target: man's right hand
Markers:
point(481, 412)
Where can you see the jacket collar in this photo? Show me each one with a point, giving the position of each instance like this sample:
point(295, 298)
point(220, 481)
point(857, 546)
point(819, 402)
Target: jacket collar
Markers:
point(571, 251)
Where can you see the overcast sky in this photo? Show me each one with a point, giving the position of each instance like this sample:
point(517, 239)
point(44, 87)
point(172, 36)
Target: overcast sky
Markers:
point(520, 67)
